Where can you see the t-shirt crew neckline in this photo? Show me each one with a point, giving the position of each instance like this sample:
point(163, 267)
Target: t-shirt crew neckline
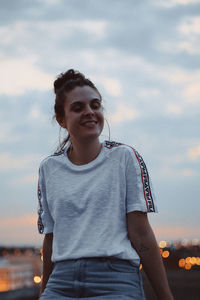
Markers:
point(85, 166)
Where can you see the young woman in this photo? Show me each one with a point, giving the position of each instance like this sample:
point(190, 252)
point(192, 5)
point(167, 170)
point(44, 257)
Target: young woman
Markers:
point(93, 204)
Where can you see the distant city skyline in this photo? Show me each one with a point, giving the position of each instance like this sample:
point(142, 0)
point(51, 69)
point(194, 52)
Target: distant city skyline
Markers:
point(144, 57)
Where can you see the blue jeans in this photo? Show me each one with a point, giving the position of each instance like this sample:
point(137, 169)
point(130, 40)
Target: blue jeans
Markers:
point(99, 278)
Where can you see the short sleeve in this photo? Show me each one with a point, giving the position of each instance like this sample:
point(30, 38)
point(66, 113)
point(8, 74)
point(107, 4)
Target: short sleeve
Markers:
point(139, 190)
point(45, 221)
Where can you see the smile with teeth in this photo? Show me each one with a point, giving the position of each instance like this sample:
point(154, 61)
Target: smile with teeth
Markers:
point(89, 123)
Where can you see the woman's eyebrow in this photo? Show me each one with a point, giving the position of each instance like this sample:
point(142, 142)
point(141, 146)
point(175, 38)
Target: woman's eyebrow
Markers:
point(75, 102)
point(81, 102)
point(96, 99)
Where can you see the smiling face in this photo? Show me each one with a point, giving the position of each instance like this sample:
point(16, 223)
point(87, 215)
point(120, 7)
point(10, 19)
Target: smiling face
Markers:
point(83, 118)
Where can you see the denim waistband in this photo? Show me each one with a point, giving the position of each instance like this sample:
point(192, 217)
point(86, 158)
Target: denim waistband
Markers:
point(101, 258)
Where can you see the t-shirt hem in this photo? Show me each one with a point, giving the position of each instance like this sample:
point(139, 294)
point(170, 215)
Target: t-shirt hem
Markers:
point(46, 231)
point(139, 208)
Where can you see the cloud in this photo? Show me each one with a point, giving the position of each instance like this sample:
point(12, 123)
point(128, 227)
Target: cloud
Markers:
point(28, 179)
point(192, 92)
point(9, 162)
point(186, 172)
point(194, 153)
point(171, 172)
point(171, 3)
point(190, 26)
point(190, 81)
point(123, 113)
point(188, 36)
point(109, 55)
point(50, 2)
point(112, 86)
point(20, 75)
point(35, 113)
point(149, 92)
point(179, 75)
point(186, 81)
point(190, 46)
point(6, 133)
point(174, 109)
point(18, 34)
point(185, 37)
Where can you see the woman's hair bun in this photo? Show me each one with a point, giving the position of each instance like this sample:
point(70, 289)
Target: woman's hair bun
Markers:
point(69, 76)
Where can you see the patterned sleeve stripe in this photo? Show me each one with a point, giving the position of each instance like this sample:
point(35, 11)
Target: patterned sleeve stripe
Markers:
point(144, 175)
point(40, 211)
point(112, 144)
point(145, 182)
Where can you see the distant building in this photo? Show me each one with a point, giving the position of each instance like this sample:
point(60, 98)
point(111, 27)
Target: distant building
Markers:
point(18, 272)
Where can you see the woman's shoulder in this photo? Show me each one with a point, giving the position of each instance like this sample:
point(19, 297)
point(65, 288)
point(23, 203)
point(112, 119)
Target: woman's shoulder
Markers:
point(120, 149)
point(119, 146)
point(51, 159)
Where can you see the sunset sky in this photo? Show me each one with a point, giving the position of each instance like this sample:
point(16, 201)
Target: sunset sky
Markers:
point(144, 57)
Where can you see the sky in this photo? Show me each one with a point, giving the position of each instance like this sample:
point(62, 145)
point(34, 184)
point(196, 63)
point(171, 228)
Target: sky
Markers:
point(144, 57)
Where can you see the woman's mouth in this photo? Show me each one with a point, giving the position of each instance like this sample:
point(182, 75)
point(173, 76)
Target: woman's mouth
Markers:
point(89, 123)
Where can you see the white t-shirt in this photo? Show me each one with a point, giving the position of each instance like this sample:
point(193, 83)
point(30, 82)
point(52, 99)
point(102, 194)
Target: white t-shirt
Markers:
point(85, 206)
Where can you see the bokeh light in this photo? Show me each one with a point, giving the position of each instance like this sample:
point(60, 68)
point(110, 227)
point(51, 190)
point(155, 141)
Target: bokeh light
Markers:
point(188, 262)
point(165, 254)
point(162, 244)
point(181, 263)
point(37, 279)
point(188, 266)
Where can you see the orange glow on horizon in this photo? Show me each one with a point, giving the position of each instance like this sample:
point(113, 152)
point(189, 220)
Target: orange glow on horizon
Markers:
point(175, 232)
point(19, 221)
point(24, 228)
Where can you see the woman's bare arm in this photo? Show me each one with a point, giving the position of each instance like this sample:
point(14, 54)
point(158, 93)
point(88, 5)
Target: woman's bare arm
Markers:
point(144, 242)
point(47, 263)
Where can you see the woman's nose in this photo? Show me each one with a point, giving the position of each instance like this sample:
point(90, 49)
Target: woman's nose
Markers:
point(88, 110)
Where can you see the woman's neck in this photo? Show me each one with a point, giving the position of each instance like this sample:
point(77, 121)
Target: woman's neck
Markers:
point(83, 153)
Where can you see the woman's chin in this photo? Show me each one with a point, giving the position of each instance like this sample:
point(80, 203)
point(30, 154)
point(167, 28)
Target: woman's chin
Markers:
point(90, 137)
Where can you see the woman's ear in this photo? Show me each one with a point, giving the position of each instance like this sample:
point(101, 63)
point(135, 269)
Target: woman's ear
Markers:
point(61, 122)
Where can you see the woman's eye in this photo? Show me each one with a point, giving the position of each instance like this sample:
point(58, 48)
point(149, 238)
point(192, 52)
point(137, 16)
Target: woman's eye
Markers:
point(77, 108)
point(96, 105)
